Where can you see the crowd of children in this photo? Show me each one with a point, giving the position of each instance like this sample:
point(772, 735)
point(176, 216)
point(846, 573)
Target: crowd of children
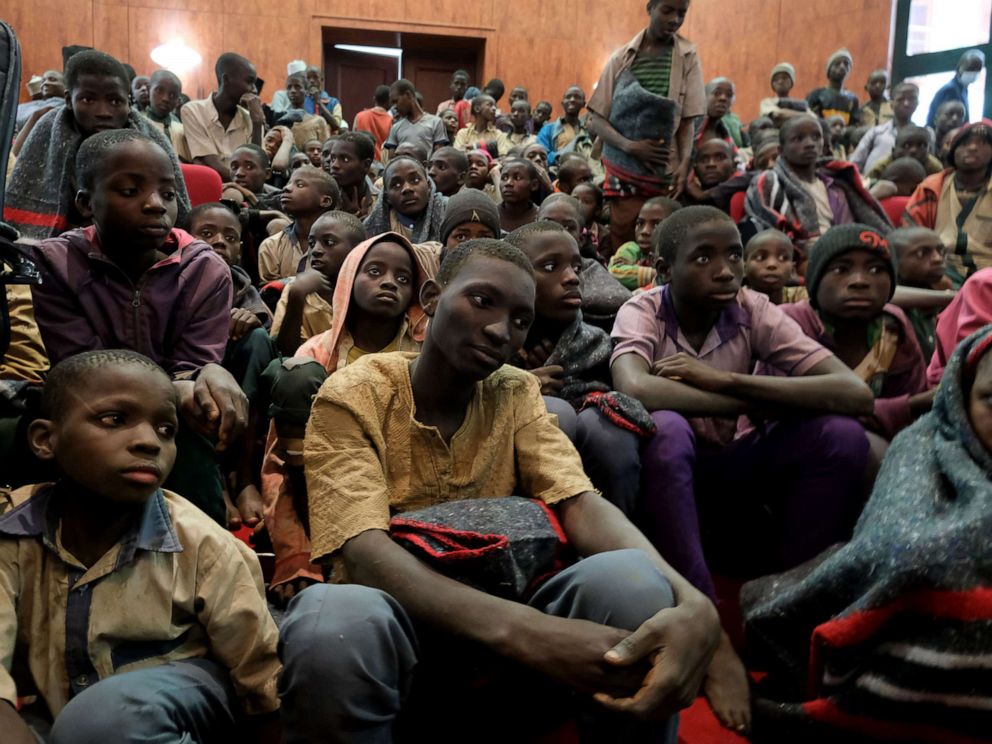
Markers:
point(697, 348)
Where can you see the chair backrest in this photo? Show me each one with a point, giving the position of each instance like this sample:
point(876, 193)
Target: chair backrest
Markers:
point(202, 183)
point(894, 206)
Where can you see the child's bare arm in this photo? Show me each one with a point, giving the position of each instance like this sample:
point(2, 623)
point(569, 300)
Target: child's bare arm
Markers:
point(15, 731)
point(632, 375)
point(925, 299)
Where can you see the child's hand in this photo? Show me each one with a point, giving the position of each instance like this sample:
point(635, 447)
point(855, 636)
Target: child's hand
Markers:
point(249, 505)
point(254, 105)
point(243, 322)
point(538, 356)
point(214, 405)
point(310, 281)
point(651, 152)
point(550, 378)
point(691, 371)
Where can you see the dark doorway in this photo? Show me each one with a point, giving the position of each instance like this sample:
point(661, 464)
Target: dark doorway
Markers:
point(427, 61)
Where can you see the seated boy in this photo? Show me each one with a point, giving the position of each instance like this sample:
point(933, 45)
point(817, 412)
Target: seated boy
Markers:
point(920, 258)
point(519, 186)
point(969, 311)
point(41, 193)
point(470, 214)
point(632, 264)
point(409, 203)
point(305, 126)
point(572, 172)
point(313, 148)
point(770, 266)
point(685, 350)
point(113, 590)
point(304, 308)
point(348, 157)
point(911, 142)
point(591, 198)
point(715, 178)
point(309, 194)
point(522, 133)
point(133, 281)
point(164, 91)
point(454, 423)
point(483, 175)
point(251, 170)
point(448, 170)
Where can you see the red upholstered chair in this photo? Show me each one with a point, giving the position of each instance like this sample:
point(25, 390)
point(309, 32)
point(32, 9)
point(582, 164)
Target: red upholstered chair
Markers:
point(202, 183)
point(894, 206)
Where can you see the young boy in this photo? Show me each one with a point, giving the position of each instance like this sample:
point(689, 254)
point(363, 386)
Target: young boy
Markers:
point(304, 308)
point(556, 135)
point(518, 188)
point(413, 124)
point(313, 148)
point(309, 193)
point(920, 258)
point(715, 179)
point(572, 172)
point(409, 204)
point(480, 174)
point(250, 172)
point(41, 194)
point(522, 129)
point(686, 350)
point(880, 140)
point(877, 109)
point(305, 126)
point(348, 158)
point(542, 113)
point(132, 281)
point(632, 264)
point(591, 199)
point(105, 537)
point(469, 215)
point(835, 98)
point(720, 121)
point(769, 266)
point(164, 92)
point(911, 142)
point(454, 423)
point(780, 107)
point(449, 168)
point(482, 131)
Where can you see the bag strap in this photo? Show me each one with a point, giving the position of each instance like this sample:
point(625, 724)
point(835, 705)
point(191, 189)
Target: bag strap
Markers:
point(961, 246)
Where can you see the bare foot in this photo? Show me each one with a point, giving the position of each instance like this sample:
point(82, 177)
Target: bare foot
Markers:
point(726, 688)
point(249, 504)
point(233, 516)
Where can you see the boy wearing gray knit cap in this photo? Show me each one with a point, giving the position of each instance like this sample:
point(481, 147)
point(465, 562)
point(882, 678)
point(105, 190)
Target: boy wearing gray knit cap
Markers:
point(835, 99)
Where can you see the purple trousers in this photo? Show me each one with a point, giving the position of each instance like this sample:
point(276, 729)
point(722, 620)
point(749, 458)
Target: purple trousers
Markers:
point(788, 493)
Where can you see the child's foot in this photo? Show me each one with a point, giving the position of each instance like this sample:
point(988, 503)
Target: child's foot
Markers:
point(233, 516)
point(250, 505)
point(726, 688)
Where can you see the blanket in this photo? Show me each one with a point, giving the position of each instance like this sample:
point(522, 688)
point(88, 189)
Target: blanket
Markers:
point(426, 228)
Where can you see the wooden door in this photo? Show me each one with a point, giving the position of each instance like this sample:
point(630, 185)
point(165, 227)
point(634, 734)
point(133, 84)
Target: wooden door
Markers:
point(352, 78)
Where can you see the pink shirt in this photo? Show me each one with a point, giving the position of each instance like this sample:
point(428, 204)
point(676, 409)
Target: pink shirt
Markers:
point(970, 310)
point(751, 329)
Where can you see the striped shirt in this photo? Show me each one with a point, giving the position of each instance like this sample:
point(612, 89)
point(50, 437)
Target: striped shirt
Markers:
point(654, 73)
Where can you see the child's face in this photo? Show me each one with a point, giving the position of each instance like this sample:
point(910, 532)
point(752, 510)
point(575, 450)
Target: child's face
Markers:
point(140, 91)
point(467, 231)
point(296, 91)
point(298, 161)
point(769, 264)
point(519, 114)
point(579, 172)
point(485, 108)
point(164, 97)
point(855, 286)
point(590, 204)
point(482, 316)
point(565, 215)
point(515, 185)
point(247, 170)
point(300, 196)
point(52, 84)
point(573, 102)
point(766, 159)
point(541, 114)
point(557, 265)
point(803, 143)
point(980, 403)
point(876, 86)
point(240, 81)
point(116, 439)
point(650, 216)
point(782, 84)
point(344, 164)
point(538, 155)
point(450, 119)
point(98, 103)
point(916, 146)
point(714, 163)
point(721, 98)
point(839, 70)
point(384, 283)
point(459, 83)
point(407, 189)
point(313, 149)
point(133, 200)
point(667, 17)
point(974, 153)
point(708, 268)
point(517, 94)
point(921, 260)
point(950, 116)
point(836, 128)
point(272, 142)
point(478, 172)
point(221, 229)
point(905, 102)
point(329, 247)
point(446, 178)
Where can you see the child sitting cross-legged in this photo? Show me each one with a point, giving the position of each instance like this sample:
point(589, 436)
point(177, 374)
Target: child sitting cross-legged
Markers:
point(455, 427)
point(128, 611)
point(632, 264)
point(375, 309)
point(409, 203)
point(770, 265)
point(685, 350)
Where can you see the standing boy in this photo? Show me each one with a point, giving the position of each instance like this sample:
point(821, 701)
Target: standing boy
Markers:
point(877, 109)
point(920, 257)
point(377, 121)
point(482, 132)
point(458, 86)
point(556, 135)
point(780, 106)
point(414, 124)
point(835, 99)
point(164, 92)
point(521, 128)
point(880, 140)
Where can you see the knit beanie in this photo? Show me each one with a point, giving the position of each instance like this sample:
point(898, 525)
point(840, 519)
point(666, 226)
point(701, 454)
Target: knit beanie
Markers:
point(839, 240)
point(984, 126)
point(841, 53)
point(470, 205)
point(786, 68)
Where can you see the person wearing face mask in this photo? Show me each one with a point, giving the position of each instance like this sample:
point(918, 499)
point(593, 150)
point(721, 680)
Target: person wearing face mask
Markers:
point(956, 89)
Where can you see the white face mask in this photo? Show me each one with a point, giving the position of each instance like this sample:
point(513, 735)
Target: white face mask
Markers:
point(967, 78)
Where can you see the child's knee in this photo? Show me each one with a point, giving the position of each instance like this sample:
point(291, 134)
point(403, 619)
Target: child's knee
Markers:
point(674, 434)
point(567, 419)
point(294, 384)
point(618, 448)
point(841, 439)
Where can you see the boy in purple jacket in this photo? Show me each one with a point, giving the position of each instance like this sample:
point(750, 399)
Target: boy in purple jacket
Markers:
point(133, 281)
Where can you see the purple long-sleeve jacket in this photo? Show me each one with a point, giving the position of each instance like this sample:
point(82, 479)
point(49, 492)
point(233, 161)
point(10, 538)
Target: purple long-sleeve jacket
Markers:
point(177, 314)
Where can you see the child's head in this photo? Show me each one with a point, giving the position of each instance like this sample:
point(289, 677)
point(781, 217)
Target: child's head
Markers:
point(407, 186)
point(542, 112)
point(519, 182)
point(850, 275)
point(573, 101)
point(450, 120)
point(403, 96)
point(714, 162)
point(768, 261)
point(236, 76)
point(481, 306)
point(590, 198)
point(978, 383)
point(297, 160)
point(272, 141)
point(312, 148)
point(912, 142)
point(215, 224)
point(572, 172)
point(665, 17)
point(413, 150)
point(484, 108)
point(296, 89)
point(557, 263)
point(950, 115)
point(537, 153)
point(971, 149)
point(96, 92)
point(108, 421)
point(837, 126)
point(250, 168)
point(565, 211)
point(906, 174)
point(766, 154)
point(839, 66)
point(519, 93)
point(494, 89)
point(878, 81)
point(919, 256)
point(520, 114)
point(52, 84)
point(783, 79)
point(458, 85)
point(653, 212)
point(127, 186)
point(801, 141)
point(905, 100)
point(140, 87)
point(309, 192)
point(470, 215)
point(699, 252)
point(720, 95)
point(385, 281)
point(448, 170)
point(479, 164)
point(762, 126)
point(332, 237)
point(347, 158)
point(164, 93)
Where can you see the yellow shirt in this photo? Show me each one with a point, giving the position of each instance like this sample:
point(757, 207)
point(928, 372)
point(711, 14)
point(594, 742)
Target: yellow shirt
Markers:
point(206, 136)
point(468, 139)
point(26, 358)
point(317, 315)
point(281, 256)
point(368, 458)
point(177, 587)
